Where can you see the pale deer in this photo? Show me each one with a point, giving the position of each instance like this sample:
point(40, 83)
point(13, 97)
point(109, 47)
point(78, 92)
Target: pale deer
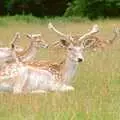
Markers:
point(36, 42)
point(41, 77)
point(9, 70)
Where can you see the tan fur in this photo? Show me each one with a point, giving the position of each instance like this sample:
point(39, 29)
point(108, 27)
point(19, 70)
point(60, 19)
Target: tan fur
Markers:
point(102, 43)
point(35, 43)
point(45, 64)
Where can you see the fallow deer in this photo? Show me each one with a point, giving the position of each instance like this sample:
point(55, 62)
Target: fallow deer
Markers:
point(9, 70)
point(41, 77)
point(36, 42)
point(102, 43)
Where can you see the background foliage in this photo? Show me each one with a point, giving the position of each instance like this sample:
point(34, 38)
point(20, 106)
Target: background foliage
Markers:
point(89, 8)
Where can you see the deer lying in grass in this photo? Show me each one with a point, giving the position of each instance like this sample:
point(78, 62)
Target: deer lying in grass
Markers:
point(9, 69)
point(36, 42)
point(41, 77)
point(101, 43)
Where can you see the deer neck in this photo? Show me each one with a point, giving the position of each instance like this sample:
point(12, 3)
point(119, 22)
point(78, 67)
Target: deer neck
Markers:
point(69, 69)
point(29, 53)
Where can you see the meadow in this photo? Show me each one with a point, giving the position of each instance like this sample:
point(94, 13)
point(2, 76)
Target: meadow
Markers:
point(97, 81)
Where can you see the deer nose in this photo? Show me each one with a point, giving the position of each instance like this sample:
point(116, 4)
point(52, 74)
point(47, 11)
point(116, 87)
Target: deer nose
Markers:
point(80, 59)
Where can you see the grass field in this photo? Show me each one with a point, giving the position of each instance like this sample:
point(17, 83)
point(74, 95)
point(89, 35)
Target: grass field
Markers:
point(97, 81)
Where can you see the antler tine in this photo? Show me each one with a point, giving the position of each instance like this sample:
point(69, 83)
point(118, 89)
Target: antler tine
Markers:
point(116, 29)
point(94, 30)
point(33, 35)
point(70, 37)
point(36, 35)
point(50, 26)
point(66, 37)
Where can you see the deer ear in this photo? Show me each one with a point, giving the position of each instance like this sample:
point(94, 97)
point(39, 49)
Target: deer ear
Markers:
point(12, 46)
point(64, 42)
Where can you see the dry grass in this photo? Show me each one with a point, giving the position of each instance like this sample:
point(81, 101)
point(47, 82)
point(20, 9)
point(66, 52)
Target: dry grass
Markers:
point(97, 81)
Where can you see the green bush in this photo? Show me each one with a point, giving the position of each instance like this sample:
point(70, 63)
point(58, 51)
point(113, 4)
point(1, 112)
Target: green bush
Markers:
point(94, 8)
point(84, 8)
point(36, 7)
point(76, 8)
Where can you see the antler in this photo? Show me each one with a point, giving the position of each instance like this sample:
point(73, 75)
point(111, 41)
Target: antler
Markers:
point(94, 30)
point(84, 38)
point(50, 26)
point(116, 29)
point(33, 35)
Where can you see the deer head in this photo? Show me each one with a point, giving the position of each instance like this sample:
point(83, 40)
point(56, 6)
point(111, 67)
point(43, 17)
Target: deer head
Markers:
point(75, 53)
point(37, 40)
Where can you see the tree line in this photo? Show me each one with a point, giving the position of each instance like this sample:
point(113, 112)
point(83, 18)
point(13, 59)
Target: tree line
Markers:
point(84, 8)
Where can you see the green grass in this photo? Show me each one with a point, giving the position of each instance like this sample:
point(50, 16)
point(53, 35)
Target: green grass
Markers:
point(97, 81)
point(31, 19)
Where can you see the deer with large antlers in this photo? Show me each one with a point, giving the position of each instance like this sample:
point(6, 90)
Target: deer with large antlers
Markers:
point(40, 76)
